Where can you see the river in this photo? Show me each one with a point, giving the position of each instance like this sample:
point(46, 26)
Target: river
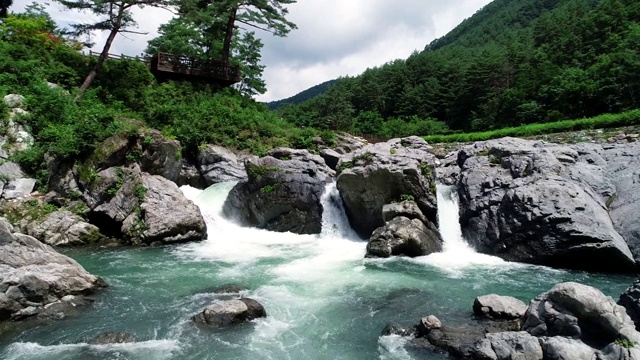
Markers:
point(323, 299)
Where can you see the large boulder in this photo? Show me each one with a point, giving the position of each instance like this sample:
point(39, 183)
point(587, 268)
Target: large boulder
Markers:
point(623, 170)
point(380, 174)
point(217, 164)
point(158, 155)
point(404, 236)
point(508, 346)
point(34, 276)
point(57, 228)
point(561, 348)
point(282, 192)
point(520, 200)
point(499, 307)
point(229, 312)
point(580, 312)
point(630, 300)
point(142, 208)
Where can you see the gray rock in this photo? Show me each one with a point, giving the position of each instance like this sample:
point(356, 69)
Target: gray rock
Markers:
point(112, 338)
point(561, 348)
point(18, 188)
point(408, 209)
point(160, 156)
point(33, 275)
point(346, 143)
point(623, 170)
point(10, 171)
point(190, 175)
point(382, 173)
point(427, 324)
point(499, 307)
point(331, 157)
point(396, 329)
point(519, 202)
point(142, 208)
point(229, 312)
point(630, 300)
point(581, 312)
point(403, 236)
point(14, 101)
point(508, 346)
point(62, 228)
point(169, 217)
point(615, 351)
point(218, 164)
point(282, 193)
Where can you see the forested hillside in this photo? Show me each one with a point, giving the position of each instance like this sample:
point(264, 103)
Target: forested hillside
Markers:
point(514, 62)
point(302, 96)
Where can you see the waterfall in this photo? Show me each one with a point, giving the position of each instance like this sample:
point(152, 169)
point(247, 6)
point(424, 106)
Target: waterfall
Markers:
point(457, 253)
point(334, 218)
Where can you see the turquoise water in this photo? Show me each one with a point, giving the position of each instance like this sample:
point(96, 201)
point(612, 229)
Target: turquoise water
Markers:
point(323, 300)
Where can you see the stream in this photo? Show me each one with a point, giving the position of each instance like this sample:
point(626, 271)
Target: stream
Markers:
point(323, 299)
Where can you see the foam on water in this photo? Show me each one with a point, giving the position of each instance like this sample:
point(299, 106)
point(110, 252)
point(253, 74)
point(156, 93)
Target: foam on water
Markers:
point(155, 349)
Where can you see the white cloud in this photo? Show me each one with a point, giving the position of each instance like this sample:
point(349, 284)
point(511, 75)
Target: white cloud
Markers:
point(334, 37)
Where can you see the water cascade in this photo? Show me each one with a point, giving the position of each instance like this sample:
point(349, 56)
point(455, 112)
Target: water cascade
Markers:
point(323, 299)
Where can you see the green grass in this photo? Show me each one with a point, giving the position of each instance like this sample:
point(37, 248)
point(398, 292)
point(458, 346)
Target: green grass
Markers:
point(628, 118)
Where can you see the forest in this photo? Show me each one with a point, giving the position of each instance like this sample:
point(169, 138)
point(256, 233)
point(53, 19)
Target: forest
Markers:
point(513, 63)
point(46, 65)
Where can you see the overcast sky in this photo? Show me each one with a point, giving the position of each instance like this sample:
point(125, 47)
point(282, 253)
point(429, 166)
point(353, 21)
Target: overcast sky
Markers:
point(334, 37)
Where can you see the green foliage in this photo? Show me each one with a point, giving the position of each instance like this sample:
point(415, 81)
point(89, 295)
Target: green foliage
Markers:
point(392, 151)
point(602, 121)
point(113, 190)
point(256, 171)
point(140, 191)
point(627, 344)
point(495, 160)
point(267, 189)
point(513, 63)
point(407, 197)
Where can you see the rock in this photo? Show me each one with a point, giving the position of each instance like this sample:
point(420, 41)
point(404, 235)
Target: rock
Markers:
point(346, 143)
point(427, 324)
point(168, 216)
point(508, 346)
point(581, 312)
point(463, 342)
point(561, 348)
point(282, 193)
point(630, 300)
point(33, 275)
point(623, 170)
point(10, 171)
point(382, 173)
point(217, 164)
point(331, 158)
point(14, 101)
point(112, 338)
point(18, 188)
point(62, 228)
point(403, 236)
point(160, 156)
point(408, 209)
point(230, 312)
point(190, 175)
point(499, 307)
point(142, 208)
point(519, 202)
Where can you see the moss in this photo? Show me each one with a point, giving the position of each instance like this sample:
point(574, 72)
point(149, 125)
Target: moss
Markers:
point(113, 190)
point(30, 209)
point(267, 189)
point(627, 344)
point(392, 151)
point(140, 192)
point(87, 172)
point(257, 170)
point(407, 197)
point(611, 199)
point(495, 160)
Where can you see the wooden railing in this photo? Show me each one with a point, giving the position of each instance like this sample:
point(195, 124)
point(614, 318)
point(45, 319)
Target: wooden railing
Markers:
point(186, 65)
point(119, 57)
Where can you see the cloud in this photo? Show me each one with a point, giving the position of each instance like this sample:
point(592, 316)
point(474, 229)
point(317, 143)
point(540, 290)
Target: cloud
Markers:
point(334, 37)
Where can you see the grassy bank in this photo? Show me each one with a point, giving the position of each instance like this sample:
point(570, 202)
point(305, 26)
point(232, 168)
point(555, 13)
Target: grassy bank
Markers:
point(628, 118)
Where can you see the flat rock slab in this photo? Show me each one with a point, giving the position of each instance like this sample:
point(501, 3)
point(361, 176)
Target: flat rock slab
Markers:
point(499, 307)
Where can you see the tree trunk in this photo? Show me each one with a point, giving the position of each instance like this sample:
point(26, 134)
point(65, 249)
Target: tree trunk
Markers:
point(226, 50)
point(103, 55)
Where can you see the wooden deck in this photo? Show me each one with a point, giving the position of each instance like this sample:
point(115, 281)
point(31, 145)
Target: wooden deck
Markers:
point(177, 67)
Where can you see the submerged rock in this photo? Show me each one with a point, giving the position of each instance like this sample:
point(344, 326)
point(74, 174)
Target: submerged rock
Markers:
point(282, 193)
point(380, 174)
point(33, 276)
point(499, 307)
point(230, 312)
point(113, 338)
point(520, 202)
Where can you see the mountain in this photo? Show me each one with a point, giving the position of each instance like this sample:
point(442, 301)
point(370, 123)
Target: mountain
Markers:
point(303, 95)
point(513, 62)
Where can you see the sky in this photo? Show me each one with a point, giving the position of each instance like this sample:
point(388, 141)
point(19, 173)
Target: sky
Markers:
point(334, 37)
